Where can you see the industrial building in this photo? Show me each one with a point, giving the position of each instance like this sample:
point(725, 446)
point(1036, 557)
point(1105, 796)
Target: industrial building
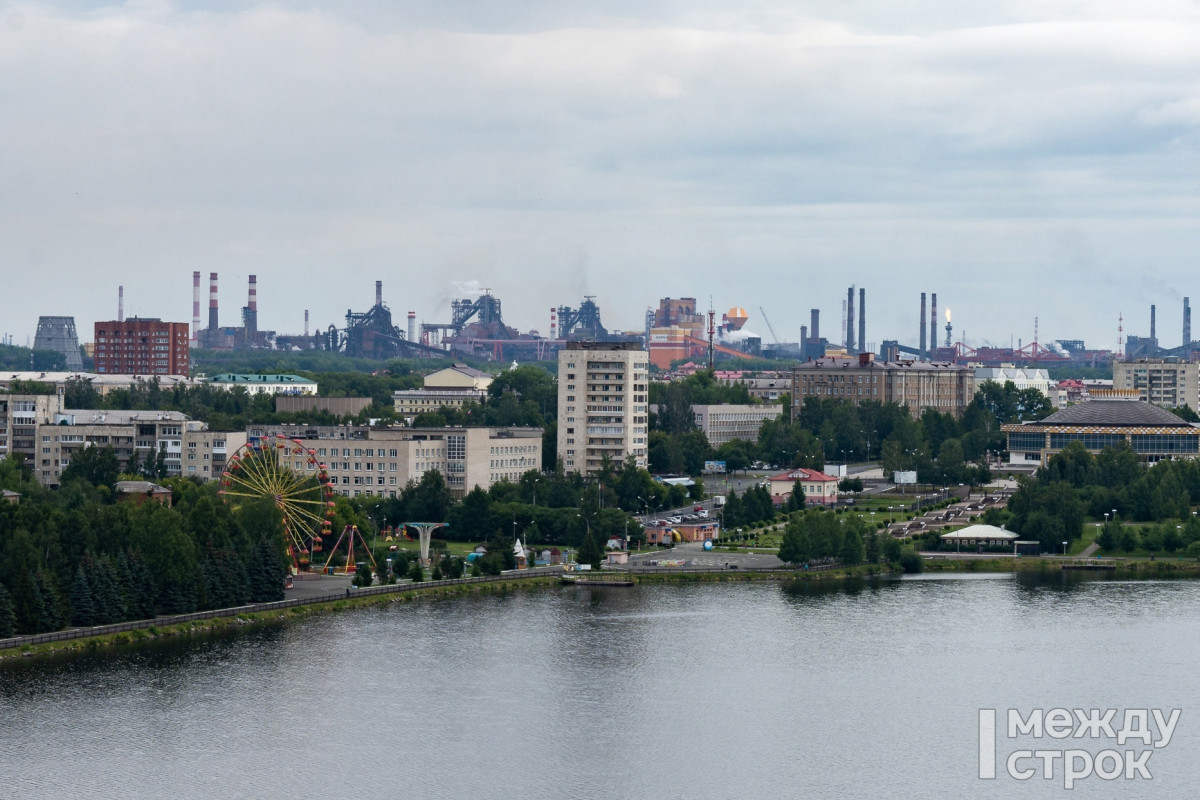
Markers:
point(1154, 433)
point(1168, 382)
point(918, 385)
point(141, 346)
point(725, 422)
point(602, 404)
point(58, 334)
point(362, 460)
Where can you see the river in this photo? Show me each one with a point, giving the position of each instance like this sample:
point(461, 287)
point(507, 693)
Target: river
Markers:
point(725, 690)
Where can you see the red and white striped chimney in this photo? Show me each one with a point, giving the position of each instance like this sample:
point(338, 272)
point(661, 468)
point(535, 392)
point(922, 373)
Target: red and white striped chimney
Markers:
point(252, 302)
point(195, 308)
point(553, 324)
point(212, 305)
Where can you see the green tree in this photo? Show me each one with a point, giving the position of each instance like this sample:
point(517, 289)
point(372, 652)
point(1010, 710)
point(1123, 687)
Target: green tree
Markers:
point(96, 465)
point(83, 610)
point(852, 548)
point(8, 620)
point(795, 547)
point(415, 573)
point(266, 572)
point(589, 551)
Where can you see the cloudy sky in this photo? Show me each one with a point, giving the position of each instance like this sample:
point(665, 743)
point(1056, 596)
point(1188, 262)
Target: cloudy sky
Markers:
point(1021, 159)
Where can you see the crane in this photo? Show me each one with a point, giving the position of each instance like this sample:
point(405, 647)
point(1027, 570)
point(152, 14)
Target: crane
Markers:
point(771, 329)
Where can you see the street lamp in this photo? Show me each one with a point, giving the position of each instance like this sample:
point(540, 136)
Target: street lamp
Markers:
point(1064, 548)
point(535, 483)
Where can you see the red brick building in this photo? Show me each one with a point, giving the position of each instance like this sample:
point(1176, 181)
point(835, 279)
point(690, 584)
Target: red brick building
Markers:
point(141, 346)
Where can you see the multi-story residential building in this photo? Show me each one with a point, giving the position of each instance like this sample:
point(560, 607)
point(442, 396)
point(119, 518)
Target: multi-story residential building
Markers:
point(766, 387)
point(919, 385)
point(452, 387)
point(1162, 381)
point(602, 404)
point(19, 418)
point(141, 346)
point(362, 460)
point(726, 422)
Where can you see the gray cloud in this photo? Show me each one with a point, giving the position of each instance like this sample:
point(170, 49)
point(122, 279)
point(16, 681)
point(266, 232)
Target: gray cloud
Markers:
point(1035, 159)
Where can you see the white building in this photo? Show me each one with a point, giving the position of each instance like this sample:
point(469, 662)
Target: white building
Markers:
point(602, 404)
point(1021, 378)
point(726, 422)
point(265, 384)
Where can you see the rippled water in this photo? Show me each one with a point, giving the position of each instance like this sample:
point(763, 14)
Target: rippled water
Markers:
point(679, 691)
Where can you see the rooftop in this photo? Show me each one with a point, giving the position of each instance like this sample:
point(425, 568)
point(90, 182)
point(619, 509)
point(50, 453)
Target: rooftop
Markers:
point(1114, 413)
point(803, 474)
point(242, 378)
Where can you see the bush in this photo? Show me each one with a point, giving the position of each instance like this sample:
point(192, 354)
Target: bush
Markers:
point(911, 562)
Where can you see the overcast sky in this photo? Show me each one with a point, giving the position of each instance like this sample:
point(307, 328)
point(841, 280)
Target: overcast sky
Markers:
point(1020, 159)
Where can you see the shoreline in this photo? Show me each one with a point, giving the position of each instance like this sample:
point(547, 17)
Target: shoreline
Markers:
point(84, 641)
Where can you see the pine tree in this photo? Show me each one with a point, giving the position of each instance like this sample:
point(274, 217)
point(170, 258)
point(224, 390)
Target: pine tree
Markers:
point(266, 573)
point(142, 586)
point(415, 573)
point(852, 548)
point(83, 610)
point(589, 551)
point(8, 619)
point(51, 616)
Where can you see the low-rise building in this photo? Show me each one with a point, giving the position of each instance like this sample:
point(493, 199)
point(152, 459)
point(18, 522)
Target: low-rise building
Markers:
point(819, 488)
point(452, 387)
point(380, 461)
point(1022, 378)
point(1153, 432)
point(265, 384)
point(725, 422)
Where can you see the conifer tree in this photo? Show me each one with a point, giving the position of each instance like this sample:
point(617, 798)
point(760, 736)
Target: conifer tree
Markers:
point(83, 610)
point(8, 619)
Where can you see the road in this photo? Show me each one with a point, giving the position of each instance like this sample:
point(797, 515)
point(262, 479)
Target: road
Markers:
point(695, 555)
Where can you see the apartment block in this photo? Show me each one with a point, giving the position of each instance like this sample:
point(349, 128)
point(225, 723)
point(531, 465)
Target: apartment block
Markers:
point(602, 404)
point(362, 460)
point(141, 346)
point(1164, 382)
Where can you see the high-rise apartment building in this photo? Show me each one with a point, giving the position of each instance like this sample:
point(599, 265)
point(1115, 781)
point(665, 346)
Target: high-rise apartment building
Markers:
point(1170, 383)
point(602, 404)
point(141, 346)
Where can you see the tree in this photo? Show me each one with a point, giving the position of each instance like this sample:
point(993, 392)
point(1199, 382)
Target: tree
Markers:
point(96, 465)
point(83, 611)
point(795, 547)
point(415, 573)
point(852, 548)
point(8, 620)
point(589, 551)
point(796, 500)
point(266, 572)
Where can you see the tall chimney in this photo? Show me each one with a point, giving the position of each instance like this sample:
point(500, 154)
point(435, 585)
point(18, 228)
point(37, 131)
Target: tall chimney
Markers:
point(212, 309)
point(306, 323)
point(196, 308)
point(1187, 322)
point(924, 331)
point(412, 326)
point(251, 320)
point(850, 320)
point(1153, 335)
point(120, 304)
point(862, 320)
point(378, 293)
point(814, 327)
point(933, 320)
point(553, 324)
point(803, 337)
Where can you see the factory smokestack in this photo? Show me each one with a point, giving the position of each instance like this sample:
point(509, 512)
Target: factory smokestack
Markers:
point(553, 324)
point(306, 323)
point(120, 304)
point(378, 293)
point(933, 321)
point(924, 330)
point(803, 336)
point(412, 326)
point(1153, 335)
point(196, 308)
point(250, 316)
point(814, 327)
point(212, 309)
point(850, 320)
point(252, 300)
point(862, 320)
point(1187, 322)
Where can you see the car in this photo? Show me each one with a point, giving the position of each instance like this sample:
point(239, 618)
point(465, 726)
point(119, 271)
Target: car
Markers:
point(697, 508)
point(702, 514)
point(661, 523)
point(674, 520)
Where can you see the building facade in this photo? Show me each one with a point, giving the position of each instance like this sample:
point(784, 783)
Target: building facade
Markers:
point(362, 460)
point(265, 384)
point(819, 488)
point(918, 385)
point(1021, 378)
point(1154, 433)
point(141, 346)
point(1170, 383)
point(603, 393)
point(452, 387)
point(726, 422)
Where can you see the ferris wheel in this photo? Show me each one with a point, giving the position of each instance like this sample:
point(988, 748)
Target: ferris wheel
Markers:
point(284, 471)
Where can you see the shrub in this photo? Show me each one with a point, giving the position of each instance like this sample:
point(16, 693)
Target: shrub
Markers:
point(911, 562)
